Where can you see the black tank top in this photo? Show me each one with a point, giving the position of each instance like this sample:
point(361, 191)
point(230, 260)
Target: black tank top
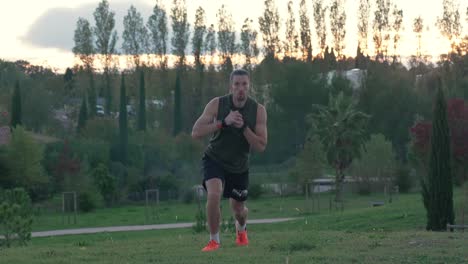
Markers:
point(228, 146)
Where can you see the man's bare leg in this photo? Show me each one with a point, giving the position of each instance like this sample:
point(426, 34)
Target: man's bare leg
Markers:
point(214, 189)
point(240, 213)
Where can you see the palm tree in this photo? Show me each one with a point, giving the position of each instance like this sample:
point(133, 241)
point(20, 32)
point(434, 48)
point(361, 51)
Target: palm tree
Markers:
point(342, 130)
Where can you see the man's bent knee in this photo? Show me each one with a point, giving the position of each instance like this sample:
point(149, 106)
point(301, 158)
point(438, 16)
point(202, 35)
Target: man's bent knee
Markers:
point(238, 207)
point(214, 196)
point(214, 187)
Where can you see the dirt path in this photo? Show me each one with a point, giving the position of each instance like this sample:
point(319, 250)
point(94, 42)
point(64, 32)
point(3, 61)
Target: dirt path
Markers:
point(94, 230)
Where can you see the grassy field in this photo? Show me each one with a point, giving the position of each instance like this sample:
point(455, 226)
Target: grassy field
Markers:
point(393, 233)
point(279, 243)
point(173, 212)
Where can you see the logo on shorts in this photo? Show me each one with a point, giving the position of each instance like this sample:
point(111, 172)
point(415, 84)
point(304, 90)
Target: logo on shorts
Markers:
point(240, 193)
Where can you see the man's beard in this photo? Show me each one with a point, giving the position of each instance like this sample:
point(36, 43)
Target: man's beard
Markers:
point(241, 98)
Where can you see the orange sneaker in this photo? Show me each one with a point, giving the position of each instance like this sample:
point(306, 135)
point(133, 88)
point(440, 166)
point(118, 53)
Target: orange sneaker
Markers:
point(241, 238)
point(212, 245)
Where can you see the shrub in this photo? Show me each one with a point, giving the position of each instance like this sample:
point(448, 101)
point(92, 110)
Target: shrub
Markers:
point(403, 179)
point(255, 191)
point(87, 201)
point(200, 221)
point(105, 183)
point(15, 216)
point(188, 196)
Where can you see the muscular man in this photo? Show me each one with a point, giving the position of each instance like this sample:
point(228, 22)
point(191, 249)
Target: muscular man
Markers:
point(238, 124)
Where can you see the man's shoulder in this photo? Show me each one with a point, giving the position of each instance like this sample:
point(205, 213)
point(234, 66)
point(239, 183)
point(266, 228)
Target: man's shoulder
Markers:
point(260, 106)
point(212, 105)
point(215, 100)
point(261, 111)
point(253, 101)
point(218, 99)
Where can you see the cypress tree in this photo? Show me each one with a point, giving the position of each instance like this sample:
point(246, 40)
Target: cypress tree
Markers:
point(123, 127)
point(108, 94)
point(142, 106)
point(92, 96)
point(177, 106)
point(438, 188)
point(16, 106)
point(83, 117)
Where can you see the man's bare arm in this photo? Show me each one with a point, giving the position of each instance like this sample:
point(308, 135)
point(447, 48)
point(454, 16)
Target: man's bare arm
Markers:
point(206, 124)
point(258, 139)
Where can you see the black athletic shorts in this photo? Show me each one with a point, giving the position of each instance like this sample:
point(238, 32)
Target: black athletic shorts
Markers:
point(235, 184)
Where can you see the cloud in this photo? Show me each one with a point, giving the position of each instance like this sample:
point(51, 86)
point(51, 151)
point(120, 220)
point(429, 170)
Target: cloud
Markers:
point(56, 27)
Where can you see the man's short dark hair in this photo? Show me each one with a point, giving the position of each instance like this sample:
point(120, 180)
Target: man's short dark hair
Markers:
point(238, 72)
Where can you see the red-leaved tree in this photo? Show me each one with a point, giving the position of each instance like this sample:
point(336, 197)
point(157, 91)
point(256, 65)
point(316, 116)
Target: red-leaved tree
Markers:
point(66, 166)
point(457, 115)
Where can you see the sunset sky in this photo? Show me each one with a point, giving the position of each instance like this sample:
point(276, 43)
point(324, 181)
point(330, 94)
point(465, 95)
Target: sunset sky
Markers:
point(42, 31)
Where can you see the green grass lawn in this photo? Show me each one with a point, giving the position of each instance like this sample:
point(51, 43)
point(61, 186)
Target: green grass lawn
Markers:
point(174, 212)
point(168, 212)
point(407, 209)
point(393, 233)
point(275, 243)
